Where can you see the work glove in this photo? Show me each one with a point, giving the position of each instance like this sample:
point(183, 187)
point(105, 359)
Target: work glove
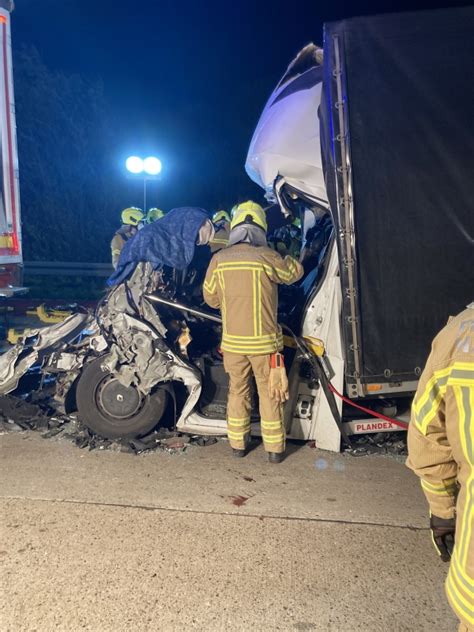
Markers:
point(442, 534)
point(278, 381)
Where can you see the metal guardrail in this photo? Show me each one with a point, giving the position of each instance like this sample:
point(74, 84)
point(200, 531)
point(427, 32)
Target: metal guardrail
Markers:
point(67, 268)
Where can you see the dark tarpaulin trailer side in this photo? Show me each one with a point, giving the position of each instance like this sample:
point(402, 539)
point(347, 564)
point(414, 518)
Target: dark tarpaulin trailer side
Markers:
point(407, 117)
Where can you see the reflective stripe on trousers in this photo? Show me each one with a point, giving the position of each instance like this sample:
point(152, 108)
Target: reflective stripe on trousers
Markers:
point(240, 369)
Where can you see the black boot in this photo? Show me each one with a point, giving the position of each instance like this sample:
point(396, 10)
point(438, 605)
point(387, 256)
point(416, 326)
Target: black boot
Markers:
point(239, 454)
point(276, 457)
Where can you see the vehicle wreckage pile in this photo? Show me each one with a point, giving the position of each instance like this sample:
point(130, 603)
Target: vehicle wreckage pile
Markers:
point(33, 412)
point(92, 360)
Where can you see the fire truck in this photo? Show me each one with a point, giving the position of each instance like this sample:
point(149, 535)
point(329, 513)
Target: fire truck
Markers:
point(11, 259)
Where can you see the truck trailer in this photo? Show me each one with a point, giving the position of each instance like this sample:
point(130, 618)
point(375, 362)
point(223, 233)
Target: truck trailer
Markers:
point(374, 132)
point(10, 224)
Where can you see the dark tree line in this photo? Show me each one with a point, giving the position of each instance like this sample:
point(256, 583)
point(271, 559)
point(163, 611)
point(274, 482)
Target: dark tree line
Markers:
point(70, 193)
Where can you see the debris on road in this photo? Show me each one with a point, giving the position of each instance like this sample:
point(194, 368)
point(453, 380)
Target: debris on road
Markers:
point(35, 412)
point(389, 444)
point(15, 411)
point(17, 414)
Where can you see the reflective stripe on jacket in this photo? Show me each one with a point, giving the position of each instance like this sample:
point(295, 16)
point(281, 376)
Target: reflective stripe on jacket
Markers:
point(220, 239)
point(118, 242)
point(242, 280)
point(441, 448)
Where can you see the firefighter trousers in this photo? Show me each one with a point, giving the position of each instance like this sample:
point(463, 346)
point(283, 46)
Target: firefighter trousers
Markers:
point(240, 369)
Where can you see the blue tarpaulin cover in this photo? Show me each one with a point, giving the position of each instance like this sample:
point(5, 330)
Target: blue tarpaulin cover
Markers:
point(169, 241)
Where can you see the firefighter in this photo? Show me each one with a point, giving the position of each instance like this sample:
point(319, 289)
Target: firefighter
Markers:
point(221, 221)
point(242, 281)
point(441, 453)
point(287, 238)
point(131, 219)
point(154, 214)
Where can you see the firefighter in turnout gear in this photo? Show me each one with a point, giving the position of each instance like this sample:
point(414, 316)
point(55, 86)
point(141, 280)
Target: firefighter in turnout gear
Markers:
point(441, 453)
point(287, 238)
point(221, 221)
point(242, 281)
point(131, 218)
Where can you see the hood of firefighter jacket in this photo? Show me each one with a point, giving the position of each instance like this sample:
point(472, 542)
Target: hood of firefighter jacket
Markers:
point(170, 242)
point(247, 234)
point(206, 233)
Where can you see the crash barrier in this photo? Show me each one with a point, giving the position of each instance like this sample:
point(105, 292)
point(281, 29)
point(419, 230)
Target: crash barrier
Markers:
point(67, 268)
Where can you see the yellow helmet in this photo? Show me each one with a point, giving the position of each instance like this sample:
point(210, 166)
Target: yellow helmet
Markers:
point(154, 214)
point(132, 216)
point(296, 222)
point(249, 213)
point(221, 215)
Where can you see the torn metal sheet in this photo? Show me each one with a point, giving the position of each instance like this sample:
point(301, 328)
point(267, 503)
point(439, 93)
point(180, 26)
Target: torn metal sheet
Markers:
point(29, 350)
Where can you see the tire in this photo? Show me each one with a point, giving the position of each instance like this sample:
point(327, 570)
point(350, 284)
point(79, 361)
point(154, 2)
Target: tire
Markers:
point(114, 411)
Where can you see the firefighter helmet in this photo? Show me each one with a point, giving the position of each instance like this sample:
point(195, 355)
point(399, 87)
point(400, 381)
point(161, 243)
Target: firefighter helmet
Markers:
point(154, 214)
point(221, 216)
point(296, 222)
point(249, 213)
point(132, 216)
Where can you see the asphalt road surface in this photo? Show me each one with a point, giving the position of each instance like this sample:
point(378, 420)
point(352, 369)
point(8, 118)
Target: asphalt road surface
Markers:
point(106, 541)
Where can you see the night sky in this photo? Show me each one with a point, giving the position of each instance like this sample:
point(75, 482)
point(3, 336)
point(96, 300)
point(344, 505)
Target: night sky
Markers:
point(184, 80)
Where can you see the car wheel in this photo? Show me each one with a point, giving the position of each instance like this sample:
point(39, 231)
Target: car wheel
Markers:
point(112, 410)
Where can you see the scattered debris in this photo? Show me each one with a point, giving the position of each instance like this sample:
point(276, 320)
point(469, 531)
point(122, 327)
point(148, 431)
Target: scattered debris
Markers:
point(176, 442)
point(10, 426)
point(392, 444)
point(17, 414)
point(203, 441)
point(16, 411)
point(34, 411)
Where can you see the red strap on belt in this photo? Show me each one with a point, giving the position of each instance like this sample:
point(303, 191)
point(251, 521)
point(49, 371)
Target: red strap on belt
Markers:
point(397, 422)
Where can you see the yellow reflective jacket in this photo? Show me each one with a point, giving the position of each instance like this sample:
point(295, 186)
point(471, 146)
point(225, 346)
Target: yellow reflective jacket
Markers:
point(242, 280)
point(441, 448)
point(220, 239)
point(118, 242)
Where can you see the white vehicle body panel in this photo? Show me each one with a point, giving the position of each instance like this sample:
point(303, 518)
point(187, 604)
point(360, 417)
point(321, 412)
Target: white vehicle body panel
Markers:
point(315, 420)
point(286, 149)
point(286, 142)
